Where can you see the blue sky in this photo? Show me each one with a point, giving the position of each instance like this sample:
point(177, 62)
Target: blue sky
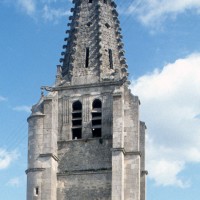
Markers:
point(163, 52)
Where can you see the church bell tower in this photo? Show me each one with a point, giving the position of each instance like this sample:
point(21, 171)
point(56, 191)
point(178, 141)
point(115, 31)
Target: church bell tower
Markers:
point(85, 138)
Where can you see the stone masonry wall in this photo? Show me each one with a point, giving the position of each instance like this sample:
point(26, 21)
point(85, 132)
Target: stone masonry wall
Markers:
point(77, 155)
point(84, 171)
point(88, 186)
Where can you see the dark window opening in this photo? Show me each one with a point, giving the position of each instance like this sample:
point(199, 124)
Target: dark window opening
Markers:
point(89, 24)
point(77, 122)
point(77, 106)
point(76, 133)
point(110, 58)
point(90, 1)
point(96, 132)
point(96, 118)
point(107, 25)
point(97, 103)
point(96, 114)
point(105, 1)
point(76, 115)
point(96, 122)
point(36, 191)
point(87, 57)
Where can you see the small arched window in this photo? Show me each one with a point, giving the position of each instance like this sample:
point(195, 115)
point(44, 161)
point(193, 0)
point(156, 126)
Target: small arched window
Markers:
point(90, 1)
point(96, 118)
point(77, 120)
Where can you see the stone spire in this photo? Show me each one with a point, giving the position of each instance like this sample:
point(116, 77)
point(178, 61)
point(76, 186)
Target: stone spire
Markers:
point(93, 51)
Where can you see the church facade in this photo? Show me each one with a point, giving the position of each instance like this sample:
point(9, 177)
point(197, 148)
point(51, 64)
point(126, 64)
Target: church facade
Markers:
point(85, 139)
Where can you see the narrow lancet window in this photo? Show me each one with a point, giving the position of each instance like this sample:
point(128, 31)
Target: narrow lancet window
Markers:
point(87, 57)
point(110, 58)
point(77, 120)
point(36, 191)
point(96, 118)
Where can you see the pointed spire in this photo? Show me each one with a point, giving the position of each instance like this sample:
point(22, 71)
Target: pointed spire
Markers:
point(93, 51)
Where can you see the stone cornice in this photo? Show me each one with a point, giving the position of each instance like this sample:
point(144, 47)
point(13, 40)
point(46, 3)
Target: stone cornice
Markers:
point(83, 172)
point(84, 140)
point(118, 149)
point(35, 115)
point(100, 84)
point(34, 170)
point(133, 153)
point(137, 153)
point(50, 155)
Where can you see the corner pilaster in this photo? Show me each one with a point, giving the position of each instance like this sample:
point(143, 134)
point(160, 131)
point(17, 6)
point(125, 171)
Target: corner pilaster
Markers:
point(118, 148)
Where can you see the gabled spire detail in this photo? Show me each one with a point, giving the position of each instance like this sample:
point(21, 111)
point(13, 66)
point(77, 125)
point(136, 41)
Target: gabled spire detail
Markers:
point(93, 52)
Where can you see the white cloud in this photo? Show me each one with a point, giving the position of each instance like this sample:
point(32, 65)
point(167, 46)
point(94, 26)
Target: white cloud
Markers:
point(2, 98)
point(14, 182)
point(29, 6)
point(6, 158)
point(170, 105)
point(49, 10)
point(23, 109)
point(154, 11)
point(52, 14)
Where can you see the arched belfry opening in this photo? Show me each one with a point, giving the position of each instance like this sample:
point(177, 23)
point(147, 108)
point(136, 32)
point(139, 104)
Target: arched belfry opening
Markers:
point(77, 106)
point(97, 104)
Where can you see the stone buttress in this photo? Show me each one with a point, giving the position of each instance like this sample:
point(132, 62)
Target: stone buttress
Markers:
point(42, 150)
point(85, 138)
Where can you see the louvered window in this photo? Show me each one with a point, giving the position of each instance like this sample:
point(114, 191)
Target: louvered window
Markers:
point(77, 120)
point(96, 118)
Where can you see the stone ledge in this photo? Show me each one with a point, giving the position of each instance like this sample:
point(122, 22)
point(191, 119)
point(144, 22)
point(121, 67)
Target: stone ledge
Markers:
point(33, 115)
point(34, 170)
point(126, 152)
point(85, 139)
point(134, 153)
point(50, 155)
point(100, 84)
point(85, 172)
point(119, 149)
